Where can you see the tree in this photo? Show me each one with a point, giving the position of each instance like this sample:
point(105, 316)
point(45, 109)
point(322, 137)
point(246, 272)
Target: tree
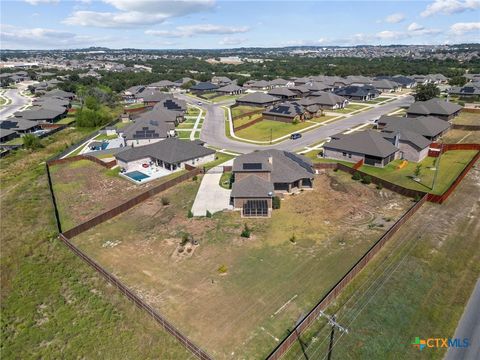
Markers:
point(276, 202)
point(32, 142)
point(458, 81)
point(418, 170)
point(426, 92)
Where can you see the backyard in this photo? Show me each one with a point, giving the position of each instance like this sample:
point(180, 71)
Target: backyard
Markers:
point(237, 296)
point(243, 109)
point(451, 165)
point(466, 118)
point(417, 285)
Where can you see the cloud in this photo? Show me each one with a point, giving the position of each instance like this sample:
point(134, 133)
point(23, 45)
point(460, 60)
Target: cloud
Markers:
point(395, 18)
point(449, 7)
point(415, 27)
point(137, 13)
point(462, 28)
point(36, 2)
point(39, 38)
point(232, 41)
point(200, 29)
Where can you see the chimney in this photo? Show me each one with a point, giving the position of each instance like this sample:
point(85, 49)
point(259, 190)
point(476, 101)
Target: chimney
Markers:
point(270, 160)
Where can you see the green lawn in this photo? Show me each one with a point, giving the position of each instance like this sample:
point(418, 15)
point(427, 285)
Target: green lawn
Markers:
point(134, 106)
point(466, 118)
point(321, 119)
point(220, 158)
point(16, 141)
point(451, 164)
point(270, 129)
point(239, 121)
point(193, 111)
point(185, 125)
point(242, 109)
point(121, 124)
point(67, 120)
point(379, 99)
point(351, 108)
point(225, 180)
point(101, 137)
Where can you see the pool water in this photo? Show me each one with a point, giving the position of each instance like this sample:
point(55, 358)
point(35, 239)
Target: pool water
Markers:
point(137, 175)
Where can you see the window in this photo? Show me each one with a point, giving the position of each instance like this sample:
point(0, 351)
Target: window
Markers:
point(344, 153)
point(349, 156)
point(255, 208)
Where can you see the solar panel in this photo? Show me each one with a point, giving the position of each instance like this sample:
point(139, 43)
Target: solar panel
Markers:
point(252, 166)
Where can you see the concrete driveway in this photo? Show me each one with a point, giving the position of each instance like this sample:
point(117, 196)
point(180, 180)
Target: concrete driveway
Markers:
point(211, 196)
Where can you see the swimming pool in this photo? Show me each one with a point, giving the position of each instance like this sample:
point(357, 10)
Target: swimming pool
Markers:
point(137, 176)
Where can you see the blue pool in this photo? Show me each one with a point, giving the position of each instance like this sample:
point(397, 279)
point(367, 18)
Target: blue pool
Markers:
point(137, 175)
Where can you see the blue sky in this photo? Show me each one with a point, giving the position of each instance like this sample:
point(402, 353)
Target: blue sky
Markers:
point(47, 24)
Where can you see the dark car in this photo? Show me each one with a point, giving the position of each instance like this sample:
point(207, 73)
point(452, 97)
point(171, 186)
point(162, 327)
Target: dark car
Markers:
point(295, 136)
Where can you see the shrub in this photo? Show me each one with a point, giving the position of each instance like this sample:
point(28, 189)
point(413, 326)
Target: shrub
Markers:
point(32, 142)
point(246, 231)
point(295, 122)
point(209, 214)
point(185, 239)
point(367, 179)
point(357, 176)
point(190, 214)
point(276, 202)
point(379, 186)
point(165, 201)
point(222, 269)
point(293, 239)
point(461, 103)
point(195, 178)
point(417, 198)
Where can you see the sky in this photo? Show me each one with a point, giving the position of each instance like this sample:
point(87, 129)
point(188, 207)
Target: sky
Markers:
point(211, 24)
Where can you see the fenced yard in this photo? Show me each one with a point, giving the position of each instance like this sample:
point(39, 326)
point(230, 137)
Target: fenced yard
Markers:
point(236, 296)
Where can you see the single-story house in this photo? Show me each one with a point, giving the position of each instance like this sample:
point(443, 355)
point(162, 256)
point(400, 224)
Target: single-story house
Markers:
point(230, 89)
point(146, 130)
point(385, 85)
point(204, 87)
point(20, 125)
point(286, 112)
point(301, 90)
point(369, 146)
point(260, 175)
point(152, 97)
point(162, 84)
point(258, 85)
point(412, 146)
point(60, 94)
point(173, 104)
point(428, 126)
point(360, 93)
point(171, 154)
point(326, 100)
point(133, 93)
point(434, 107)
point(468, 90)
point(41, 114)
point(279, 82)
point(221, 80)
point(258, 99)
point(283, 93)
point(7, 135)
point(358, 80)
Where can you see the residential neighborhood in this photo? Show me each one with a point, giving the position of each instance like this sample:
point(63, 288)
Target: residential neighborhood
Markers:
point(228, 180)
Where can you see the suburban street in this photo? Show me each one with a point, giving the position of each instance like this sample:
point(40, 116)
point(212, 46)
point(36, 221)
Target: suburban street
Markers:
point(18, 101)
point(468, 327)
point(213, 130)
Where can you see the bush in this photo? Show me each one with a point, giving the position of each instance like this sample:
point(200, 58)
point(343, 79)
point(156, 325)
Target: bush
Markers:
point(367, 179)
point(195, 178)
point(417, 198)
point(208, 214)
point(190, 214)
point(32, 142)
point(295, 122)
point(461, 103)
point(165, 201)
point(222, 269)
point(185, 239)
point(246, 231)
point(379, 186)
point(357, 176)
point(293, 239)
point(276, 202)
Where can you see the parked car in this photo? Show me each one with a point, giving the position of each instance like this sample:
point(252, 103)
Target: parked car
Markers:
point(199, 103)
point(295, 136)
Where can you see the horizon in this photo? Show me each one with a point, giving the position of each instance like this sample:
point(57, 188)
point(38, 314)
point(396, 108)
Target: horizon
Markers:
point(229, 25)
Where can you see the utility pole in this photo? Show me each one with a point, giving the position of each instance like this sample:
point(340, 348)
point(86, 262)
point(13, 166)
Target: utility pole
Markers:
point(437, 166)
point(333, 323)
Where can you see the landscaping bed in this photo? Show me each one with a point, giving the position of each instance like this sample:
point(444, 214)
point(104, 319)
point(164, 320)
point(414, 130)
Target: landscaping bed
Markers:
point(234, 296)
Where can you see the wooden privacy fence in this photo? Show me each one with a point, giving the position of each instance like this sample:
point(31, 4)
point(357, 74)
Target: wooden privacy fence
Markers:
point(283, 347)
point(129, 204)
point(358, 164)
point(466, 127)
point(185, 341)
point(471, 110)
point(70, 159)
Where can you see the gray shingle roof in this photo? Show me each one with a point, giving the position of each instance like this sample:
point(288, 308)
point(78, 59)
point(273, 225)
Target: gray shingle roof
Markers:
point(406, 135)
point(424, 125)
point(258, 98)
point(363, 142)
point(252, 187)
point(147, 128)
point(323, 98)
point(434, 107)
point(171, 150)
point(230, 88)
point(281, 91)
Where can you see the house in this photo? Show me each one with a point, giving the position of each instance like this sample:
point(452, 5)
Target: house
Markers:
point(230, 89)
point(260, 175)
point(173, 104)
point(434, 107)
point(258, 85)
point(171, 154)
point(402, 81)
point(385, 85)
point(286, 112)
point(60, 94)
point(50, 115)
point(221, 80)
point(204, 87)
point(279, 82)
point(133, 93)
point(359, 93)
point(162, 84)
point(468, 90)
point(7, 135)
point(358, 80)
point(301, 90)
point(152, 97)
point(20, 125)
point(428, 126)
point(283, 93)
point(258, 99)
point(369, 146)
point(326, 100)
point(147, 130)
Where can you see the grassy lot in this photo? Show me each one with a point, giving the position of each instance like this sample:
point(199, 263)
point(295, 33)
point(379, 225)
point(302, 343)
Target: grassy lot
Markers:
point(80, 185)
point(429, 270)
point(121, 124)
point(461, 136)
point(101, 137)
point(466, 118)
point(134, 106)
point(193, 111)
point(379, 99)
point(16, 141)
point(272, 278)
point(185, 125)
point(321, 119)
point(350, 108)
point(239, 121)
point(225, 180)
point(451, 164)
point(266, 129)
point(52, 305)
point(220, 158)
point(67, 120)
point(225, 98)
point(242, 109)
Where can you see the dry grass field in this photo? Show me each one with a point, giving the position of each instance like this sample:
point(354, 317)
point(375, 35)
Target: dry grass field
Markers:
point(234, 296)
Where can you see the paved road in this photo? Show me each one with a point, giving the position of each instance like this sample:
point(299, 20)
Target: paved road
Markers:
point(213, 130)
point(18, 101)
point(468, 327)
